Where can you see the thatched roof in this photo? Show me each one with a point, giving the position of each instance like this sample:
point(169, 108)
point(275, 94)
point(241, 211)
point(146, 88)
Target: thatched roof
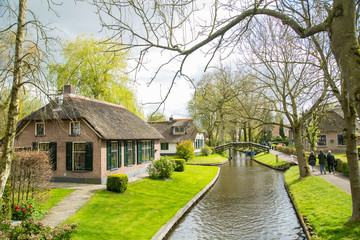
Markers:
point(333, 121)
point(110, 121)
point(166, 130)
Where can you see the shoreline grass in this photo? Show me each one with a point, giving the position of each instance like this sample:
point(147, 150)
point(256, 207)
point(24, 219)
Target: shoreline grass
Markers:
point(143, 209)
point(212, 159)
point(269, 159)
point(326, 207)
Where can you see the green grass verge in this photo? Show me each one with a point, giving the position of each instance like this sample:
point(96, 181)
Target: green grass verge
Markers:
point(143, 209)
point(214, 158)
point(269, 159)
point(327, 207)
point(341, 156)
point(54, 196)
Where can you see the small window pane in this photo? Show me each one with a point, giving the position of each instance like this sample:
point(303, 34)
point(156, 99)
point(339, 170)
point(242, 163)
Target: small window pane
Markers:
point(40, 129)
point(75, 128)
point(340, 140)
point(79, 156)
point(322, 140)
point(114, 154)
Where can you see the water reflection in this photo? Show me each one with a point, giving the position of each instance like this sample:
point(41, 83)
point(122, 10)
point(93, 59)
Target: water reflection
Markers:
point(248, 201)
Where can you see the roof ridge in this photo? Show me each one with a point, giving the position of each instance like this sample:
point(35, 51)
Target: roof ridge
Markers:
point(93, 100)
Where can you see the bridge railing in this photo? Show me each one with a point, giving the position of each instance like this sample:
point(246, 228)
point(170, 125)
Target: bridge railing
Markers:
point(250, 146)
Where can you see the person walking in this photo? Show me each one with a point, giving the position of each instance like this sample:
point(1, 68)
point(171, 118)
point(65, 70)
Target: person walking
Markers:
point(330, 161)
point(312, 160)
point(322, 161)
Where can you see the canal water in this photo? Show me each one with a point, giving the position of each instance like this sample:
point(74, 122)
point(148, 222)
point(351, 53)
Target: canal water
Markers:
point(248, 201)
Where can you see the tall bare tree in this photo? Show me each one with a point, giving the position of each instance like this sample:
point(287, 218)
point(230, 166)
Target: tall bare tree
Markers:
point(23, 66)
point(178, 27)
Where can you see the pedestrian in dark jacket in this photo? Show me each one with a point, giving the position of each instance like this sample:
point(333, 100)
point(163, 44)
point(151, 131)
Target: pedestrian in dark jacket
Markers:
point(312, 160)
point(331, 162)
point(322, 162)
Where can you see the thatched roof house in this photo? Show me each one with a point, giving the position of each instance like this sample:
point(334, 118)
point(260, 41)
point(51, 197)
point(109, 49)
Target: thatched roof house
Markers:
point(177, 130)
point(89, 139)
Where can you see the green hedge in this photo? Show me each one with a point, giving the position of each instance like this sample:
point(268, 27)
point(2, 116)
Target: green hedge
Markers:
point(117, 182)
point(179, 165)
point(287, 150)
point(342, 166)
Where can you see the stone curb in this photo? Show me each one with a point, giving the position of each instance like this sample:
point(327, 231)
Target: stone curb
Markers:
point(299, 216)
point(165, 229)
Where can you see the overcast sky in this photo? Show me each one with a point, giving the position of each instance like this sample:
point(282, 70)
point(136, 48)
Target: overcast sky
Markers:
point(80, 18)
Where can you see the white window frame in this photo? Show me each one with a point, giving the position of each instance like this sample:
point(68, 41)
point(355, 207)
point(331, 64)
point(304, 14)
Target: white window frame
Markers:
point(116, 150)
point(73, 156)
point(337, 140)
point(179, 130)
point(36, 129)
point(46, 151)
point(70, 128)
point(161, 148)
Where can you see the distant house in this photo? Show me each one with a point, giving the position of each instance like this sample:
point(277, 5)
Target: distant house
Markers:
point(177, 130)
point(331, 132)
point(89, 139)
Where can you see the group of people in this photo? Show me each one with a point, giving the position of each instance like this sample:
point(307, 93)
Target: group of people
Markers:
point(329, 158)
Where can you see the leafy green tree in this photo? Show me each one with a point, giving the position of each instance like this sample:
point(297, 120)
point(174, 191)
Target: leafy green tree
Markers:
point(311, 131)
point(185, 149)
point(156, 117)
point(96, 71)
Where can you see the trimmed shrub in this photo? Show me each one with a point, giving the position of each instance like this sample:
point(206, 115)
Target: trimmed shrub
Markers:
point(287, 150)
point(117, 182)
point(179, 165)
point(212, 150)
point(339, 164)
point(185, 149)
point(206, 151)
point(161, 169)
point(29, 229)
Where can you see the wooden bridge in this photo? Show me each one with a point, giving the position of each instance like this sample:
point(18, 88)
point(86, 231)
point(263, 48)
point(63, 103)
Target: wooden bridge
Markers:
point(243, 147)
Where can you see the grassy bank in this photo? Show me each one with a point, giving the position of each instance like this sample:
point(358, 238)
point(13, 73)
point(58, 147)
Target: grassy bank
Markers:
point(269, 159)
point(212, 159)
point(327, 207)
point(143, 209)
point(54, 196)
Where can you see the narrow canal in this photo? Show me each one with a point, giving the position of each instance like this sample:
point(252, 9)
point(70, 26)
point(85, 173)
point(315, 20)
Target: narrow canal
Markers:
point(248, 201)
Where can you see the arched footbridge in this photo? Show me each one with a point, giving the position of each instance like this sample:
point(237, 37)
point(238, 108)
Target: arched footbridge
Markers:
point(243, 147)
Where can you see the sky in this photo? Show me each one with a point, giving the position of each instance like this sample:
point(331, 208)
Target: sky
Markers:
point(80, 18)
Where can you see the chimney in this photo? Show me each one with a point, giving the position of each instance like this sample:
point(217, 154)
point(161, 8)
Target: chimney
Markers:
point(171, 118)
point(69, 90)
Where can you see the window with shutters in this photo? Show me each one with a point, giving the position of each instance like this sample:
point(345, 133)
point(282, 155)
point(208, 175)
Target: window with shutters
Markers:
point(39, 129)
point(74, 128)
point(145, 151)
point(79, 155)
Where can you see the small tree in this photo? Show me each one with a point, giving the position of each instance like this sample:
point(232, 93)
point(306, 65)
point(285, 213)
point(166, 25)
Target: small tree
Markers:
point(185, 149)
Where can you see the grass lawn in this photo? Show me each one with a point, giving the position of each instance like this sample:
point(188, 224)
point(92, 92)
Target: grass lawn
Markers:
point(327, 207)
point(143, 209)
point(269, 159)
point(214, 158)
point(341, 156)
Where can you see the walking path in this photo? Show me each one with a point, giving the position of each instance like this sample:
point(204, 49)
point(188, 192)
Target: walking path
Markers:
point(71, 203)
point(340, 180)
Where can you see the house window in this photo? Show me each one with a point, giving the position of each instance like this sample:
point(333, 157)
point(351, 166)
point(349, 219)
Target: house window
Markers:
point(129, 153)
point(74, 128)
point(114, 155)
point(39, 129)
point(49, 148)
point(199, 143)
point(79, 155)
point(145, 151)
point(322, 140)
point(164, 146)
point(340, 140)
point(179, 130)
point(44, 147)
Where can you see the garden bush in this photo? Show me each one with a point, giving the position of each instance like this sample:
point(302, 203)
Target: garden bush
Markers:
point(29, 229)
point(185, 149)
point(161, 169)
point(179, 165)
point(345, 168)
point(206, 151)
point(212, 150)
point(117, 182)
point(287, 150)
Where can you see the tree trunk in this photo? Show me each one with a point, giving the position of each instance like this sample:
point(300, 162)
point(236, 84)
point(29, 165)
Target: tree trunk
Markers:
point(345, 45)
point(304, 169)
point(13, 112)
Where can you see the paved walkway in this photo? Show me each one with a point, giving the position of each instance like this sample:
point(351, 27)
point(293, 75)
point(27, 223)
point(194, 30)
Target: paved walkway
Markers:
point(340, 180)
point(71, 203)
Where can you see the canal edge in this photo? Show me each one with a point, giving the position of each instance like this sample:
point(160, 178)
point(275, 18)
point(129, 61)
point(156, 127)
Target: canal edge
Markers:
point(276, 168)
point(299, 216)
point(165, 229)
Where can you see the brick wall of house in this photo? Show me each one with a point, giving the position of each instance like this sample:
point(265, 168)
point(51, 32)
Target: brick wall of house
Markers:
point(58, 131)
point(332, 143)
